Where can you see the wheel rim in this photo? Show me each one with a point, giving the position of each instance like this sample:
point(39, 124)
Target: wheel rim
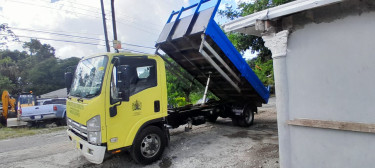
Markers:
point(150, 145)
point(248, 116)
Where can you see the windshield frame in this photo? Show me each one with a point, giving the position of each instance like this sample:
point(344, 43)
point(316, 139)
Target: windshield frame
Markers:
point(102, 80)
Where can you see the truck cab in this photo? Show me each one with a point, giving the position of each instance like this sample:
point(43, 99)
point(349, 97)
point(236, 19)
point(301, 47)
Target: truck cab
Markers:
point(118, 102)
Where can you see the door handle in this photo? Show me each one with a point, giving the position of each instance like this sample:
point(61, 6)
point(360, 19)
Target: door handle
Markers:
point(36, 107)
point(156, 106)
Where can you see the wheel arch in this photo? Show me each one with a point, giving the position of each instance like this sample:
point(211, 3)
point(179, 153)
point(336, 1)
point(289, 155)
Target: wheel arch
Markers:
point(158, 122)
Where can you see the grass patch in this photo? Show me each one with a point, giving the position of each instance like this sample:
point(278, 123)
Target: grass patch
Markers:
point(7, 133)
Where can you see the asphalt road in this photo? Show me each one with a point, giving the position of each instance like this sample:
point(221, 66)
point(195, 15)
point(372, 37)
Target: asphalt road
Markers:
point(210, 145)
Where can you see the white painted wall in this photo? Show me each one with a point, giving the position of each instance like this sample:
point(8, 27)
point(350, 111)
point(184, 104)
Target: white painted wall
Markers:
point(331, 76)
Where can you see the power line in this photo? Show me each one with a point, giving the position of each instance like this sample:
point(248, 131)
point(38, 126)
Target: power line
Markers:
point(25, 3)
point(138, 28)
point(134, 45)
point(82, 37)
point(135, 26)
point(78, 42)
point(108, 12)
point(119, 15)
point(68, 41)
point(60, 34)
point(134, 51)
point(96, 12)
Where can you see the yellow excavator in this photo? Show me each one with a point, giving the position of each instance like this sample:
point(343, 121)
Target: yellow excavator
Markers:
point(7, 101)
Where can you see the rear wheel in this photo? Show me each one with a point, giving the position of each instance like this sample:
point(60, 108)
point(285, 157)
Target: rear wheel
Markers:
point(247, 118)
point(61, 122)
point(148, 145)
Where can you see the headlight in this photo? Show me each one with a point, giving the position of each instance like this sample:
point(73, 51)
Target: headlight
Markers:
point(93, 128)
point(93, 124)
point(94, 138)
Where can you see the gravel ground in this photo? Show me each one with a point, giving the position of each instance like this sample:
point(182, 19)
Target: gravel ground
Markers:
point(209, 145)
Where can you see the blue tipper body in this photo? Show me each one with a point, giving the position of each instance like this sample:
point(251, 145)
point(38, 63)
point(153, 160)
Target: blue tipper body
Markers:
point(199, 46)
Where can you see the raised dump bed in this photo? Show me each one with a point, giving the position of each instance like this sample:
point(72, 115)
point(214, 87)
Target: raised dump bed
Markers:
point(199, 46)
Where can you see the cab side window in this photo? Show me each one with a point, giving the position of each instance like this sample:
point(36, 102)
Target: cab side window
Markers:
point(143, 76)
point(114, 89)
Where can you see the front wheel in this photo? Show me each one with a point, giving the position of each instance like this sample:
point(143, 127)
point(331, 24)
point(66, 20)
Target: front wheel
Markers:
point(148, 145)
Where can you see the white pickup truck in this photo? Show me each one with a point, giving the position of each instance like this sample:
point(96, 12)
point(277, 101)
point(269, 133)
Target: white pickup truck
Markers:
point(49, 110)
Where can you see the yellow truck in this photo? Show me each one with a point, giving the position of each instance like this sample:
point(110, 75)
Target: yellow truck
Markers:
point(105, 117)
point(119, 101)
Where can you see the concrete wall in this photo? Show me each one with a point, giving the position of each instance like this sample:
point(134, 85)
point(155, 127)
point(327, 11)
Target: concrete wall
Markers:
point(331, 76)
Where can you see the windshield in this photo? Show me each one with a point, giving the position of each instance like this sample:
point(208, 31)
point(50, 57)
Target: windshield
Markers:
point(26, 99)
point(88, 77)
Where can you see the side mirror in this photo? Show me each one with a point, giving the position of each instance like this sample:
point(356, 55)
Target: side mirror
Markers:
point(68, 81)
point(123, 82)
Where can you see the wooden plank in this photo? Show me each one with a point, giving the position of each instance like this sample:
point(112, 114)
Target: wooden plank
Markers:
point(336, 125)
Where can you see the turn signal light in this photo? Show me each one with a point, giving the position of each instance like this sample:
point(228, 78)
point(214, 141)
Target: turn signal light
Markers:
point(117, 151)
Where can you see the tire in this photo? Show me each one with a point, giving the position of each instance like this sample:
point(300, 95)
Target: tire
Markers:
point(149, 145)
point(3, 121)
point(247, 118)
point(61, 122)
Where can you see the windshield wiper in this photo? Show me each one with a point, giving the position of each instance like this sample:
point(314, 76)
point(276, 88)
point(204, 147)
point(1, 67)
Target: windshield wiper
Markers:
point(91, 95)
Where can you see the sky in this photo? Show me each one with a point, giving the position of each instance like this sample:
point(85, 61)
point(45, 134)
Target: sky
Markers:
point(75, 27)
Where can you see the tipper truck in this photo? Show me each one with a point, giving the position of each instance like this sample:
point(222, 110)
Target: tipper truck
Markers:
point(119, 102)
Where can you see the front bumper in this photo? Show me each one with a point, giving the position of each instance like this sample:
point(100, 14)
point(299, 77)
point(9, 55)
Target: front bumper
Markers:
point(94, 154)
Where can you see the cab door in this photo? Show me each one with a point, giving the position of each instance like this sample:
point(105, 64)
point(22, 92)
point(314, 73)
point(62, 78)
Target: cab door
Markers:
point(145, 95)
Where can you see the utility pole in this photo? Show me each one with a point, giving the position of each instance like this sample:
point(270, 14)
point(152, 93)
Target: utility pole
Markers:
point(114, 22)
point(105, 27)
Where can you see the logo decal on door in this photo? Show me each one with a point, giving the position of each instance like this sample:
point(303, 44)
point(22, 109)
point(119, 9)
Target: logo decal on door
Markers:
point(137, 105)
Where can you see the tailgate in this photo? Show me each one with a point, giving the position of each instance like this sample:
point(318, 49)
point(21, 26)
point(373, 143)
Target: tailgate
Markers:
point(37, 110)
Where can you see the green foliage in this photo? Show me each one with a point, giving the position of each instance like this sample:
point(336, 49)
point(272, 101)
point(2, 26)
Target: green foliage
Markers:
point(244, 42)
point(5, 84)
point(40, 71)
point(179, 87)
point(264, 70)
point(195, 96)
point(41, 51)
point(181, 101)
point(182, 91)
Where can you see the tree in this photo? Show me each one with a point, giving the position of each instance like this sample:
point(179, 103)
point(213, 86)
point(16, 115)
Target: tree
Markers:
point(8, 68)
point(7, 36)
point(5, 83)
point(48, 75)
point(39, 71)
point(244, 42)
point(42, 51)
point(179, 87)
point(264, 70)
